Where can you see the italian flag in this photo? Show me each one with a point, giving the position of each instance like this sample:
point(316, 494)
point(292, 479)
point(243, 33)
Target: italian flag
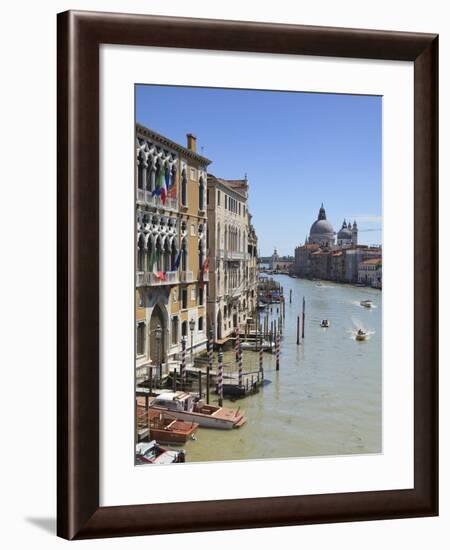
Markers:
point(160, 187)
point(152, 266)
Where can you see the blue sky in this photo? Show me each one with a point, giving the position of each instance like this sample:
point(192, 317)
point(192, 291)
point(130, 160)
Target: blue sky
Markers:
point(297, 149)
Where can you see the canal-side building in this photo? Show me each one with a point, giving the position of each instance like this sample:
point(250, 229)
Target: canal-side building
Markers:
point(232, 257)
point(369, 272)
point(332, 257)
point(171, 255)
point(281, 263)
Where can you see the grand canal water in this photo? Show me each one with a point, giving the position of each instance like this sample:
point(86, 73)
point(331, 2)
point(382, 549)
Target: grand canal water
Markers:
point(326, 397)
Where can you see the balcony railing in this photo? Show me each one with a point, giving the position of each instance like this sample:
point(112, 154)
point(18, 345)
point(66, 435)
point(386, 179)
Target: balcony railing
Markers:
point(170, 278)
point(234, 255)
point(140, 278)
point(186, 276)
point(146, 197)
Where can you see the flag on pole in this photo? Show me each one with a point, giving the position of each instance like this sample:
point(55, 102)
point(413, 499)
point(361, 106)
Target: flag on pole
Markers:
point(172, 190)
point(176, 265)
point(152, 266)
point(160, 187)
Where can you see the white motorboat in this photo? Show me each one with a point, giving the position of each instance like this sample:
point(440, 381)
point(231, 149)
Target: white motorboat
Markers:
point(325, 323)
point(366, 303)
point(182, 405)
point(253, 346)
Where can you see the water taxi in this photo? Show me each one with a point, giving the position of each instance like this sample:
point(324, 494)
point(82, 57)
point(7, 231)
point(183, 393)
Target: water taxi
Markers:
point(325, 323)
point(366, 303)
point(152, 453)
point(182, 405)
point(361, 335)
point(166, 429)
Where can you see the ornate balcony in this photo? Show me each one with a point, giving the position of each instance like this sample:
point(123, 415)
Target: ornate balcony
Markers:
point(140, 278)
point(170, 278)
point(186, 277)
point(146, 197)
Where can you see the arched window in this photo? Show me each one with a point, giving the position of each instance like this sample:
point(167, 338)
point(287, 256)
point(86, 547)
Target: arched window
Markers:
point(173, 256)
point(141, 254)
point(183, 188)
point(184, 262)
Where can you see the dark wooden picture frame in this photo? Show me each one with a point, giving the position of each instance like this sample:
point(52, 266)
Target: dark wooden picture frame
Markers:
point(80, 35)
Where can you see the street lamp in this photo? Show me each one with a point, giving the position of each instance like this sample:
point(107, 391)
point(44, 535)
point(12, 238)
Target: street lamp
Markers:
point(191, 327)
point(158, 336)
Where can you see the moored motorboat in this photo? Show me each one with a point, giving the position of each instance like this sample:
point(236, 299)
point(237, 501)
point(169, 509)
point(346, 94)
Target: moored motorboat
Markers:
point(325, 323)
point(152, 453)
point(366, 303)
point(253, 345)
point(181, 405)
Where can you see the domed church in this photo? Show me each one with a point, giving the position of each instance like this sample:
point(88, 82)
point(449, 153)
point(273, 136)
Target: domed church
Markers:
point(323, 234)
point(348, 235)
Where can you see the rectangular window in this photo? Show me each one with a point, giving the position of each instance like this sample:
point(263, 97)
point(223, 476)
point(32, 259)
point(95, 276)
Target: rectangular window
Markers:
point(140, 339)
point(239, 209)
point(200, 296)
point(200, 324)
point(184, 297)
point(218, 198)
point(226, 198)
point(207, 197)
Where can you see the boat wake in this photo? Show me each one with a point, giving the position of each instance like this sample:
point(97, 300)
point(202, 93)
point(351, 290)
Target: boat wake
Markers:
point(357, 326)
point(358, 304)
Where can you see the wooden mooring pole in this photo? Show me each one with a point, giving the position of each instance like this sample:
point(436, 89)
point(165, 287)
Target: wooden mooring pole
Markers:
point(303, 319)
point(200, 383)
point(277, 345)
point(210, 363)
point(220, 377)
point(290, 296)
point(208, 381)
point(298, 330)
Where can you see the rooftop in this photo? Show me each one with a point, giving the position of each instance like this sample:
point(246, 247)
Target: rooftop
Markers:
point(151, 134)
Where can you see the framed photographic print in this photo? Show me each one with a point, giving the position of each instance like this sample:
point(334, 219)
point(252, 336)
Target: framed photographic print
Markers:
point(247, 274)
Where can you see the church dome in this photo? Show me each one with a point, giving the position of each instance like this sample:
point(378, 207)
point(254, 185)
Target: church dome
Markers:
point(321, 227)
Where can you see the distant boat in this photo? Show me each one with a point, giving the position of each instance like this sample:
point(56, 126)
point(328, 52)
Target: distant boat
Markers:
point(361, 335)
point(366, 303)
point(152, 453)
point(325, 323)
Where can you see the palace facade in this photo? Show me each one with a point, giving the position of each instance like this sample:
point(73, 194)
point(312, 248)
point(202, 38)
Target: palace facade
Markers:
point(232, 257)
point(171, 255)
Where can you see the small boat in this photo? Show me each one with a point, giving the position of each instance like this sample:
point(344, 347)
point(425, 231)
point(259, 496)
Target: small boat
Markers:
point(252, 345)
point(181, 405)
point(152, 453)
point(361, 335)
point(325, 323)
point(366, 303)
point(167, 429)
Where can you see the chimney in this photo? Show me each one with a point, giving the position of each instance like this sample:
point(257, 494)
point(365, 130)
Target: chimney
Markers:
point(191, 142)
